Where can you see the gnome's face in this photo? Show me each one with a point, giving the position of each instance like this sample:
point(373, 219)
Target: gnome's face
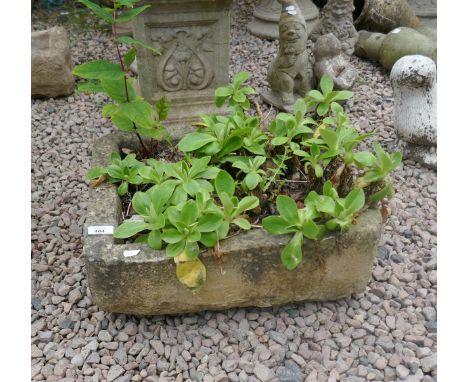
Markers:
point(291, 31)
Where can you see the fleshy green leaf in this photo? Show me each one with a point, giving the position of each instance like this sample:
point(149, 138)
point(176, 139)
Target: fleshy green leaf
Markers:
point(326, 84)
point(95, 172)
point(291, 255)
point(175, 249)
point(122, 122)
point(224, 91)
point(99, 70)
point(247, 203)
point(129, 228)
point(130, 14)
point(209, 222)
point(163, 107)
point(354, 201)
point(116, 90)
point(172, 236)
point(224, 183)
point(322, 109)
point(194, 141)
point(154, 239)
point(133, 41)
point(240, 78)
point(189, 212)
point(287, 208)
point(129, 57)
point(138, 111)
point(98, 11)
point(141, 202)
point(364, 158)
point(242, 223)
point(122, 189)
point(92, 87)
point(276, 225)
point(251, 180)
point(209, 239)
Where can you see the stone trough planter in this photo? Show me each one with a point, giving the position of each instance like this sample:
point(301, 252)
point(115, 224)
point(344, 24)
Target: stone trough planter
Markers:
point(250, 272)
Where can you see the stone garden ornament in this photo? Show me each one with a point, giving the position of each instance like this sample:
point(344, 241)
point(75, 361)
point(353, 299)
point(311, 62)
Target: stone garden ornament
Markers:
point(290, 74)
point(337, 18)
point(414, 85)
point(51, 63)
point(389, 48)
point(330, 60)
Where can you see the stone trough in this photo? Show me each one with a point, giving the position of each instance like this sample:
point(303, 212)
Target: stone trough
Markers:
point(249, 274)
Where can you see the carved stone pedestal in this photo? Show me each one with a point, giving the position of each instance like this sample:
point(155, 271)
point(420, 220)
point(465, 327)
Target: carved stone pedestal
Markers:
point(267, 13)
point(193, 36)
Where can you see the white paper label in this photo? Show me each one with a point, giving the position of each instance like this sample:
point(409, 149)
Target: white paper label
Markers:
point(291, 10)
point(130, 253)
point(100, 230)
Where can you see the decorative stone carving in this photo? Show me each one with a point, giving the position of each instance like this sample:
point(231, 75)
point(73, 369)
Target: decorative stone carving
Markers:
point(337, 18)
point(187, 56)
point(414, 85)
point(330, 60)
point(193, 37)
point(267, 14)
point(387, 49)
point(290, 74)
point(51, 64)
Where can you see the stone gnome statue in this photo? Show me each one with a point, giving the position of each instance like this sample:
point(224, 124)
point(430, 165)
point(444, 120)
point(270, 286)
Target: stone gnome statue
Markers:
point(330, 60)
point(413, 80)
point(290, 75)
point(337, 18)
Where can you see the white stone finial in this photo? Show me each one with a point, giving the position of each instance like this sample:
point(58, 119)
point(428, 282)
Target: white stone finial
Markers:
point(414, 85)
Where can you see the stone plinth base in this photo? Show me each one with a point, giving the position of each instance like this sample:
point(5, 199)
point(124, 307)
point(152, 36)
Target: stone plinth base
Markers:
point(193, 37)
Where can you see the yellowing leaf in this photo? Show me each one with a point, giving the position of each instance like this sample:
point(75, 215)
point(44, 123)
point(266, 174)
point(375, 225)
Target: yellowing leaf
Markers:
point(191, 273)
point(317, 131)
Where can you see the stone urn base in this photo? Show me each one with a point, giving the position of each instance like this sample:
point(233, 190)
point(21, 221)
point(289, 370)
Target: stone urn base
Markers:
point(425, 155)
point(266, 18)
point(250, 272)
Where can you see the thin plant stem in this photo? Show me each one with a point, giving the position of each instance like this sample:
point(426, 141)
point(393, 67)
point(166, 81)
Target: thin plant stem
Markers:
point(122, 66)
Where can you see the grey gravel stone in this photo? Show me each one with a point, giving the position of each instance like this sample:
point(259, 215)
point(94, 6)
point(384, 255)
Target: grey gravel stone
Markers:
point(429, 363)
point(291, 373)
point(278, 337)
point(263, 373)
point(114, 372)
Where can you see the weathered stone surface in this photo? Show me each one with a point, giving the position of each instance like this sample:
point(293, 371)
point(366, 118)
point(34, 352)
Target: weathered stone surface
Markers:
point(251, 265)
point(413, 80)
point(329, 60)
point(193, 37)
point(267, 14)
point(51, 63)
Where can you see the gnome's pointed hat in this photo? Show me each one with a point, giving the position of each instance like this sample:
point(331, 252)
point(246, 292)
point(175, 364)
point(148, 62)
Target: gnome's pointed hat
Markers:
point(291, 12)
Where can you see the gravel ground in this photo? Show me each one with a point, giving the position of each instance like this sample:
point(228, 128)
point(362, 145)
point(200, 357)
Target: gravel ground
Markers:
point(387, 333)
